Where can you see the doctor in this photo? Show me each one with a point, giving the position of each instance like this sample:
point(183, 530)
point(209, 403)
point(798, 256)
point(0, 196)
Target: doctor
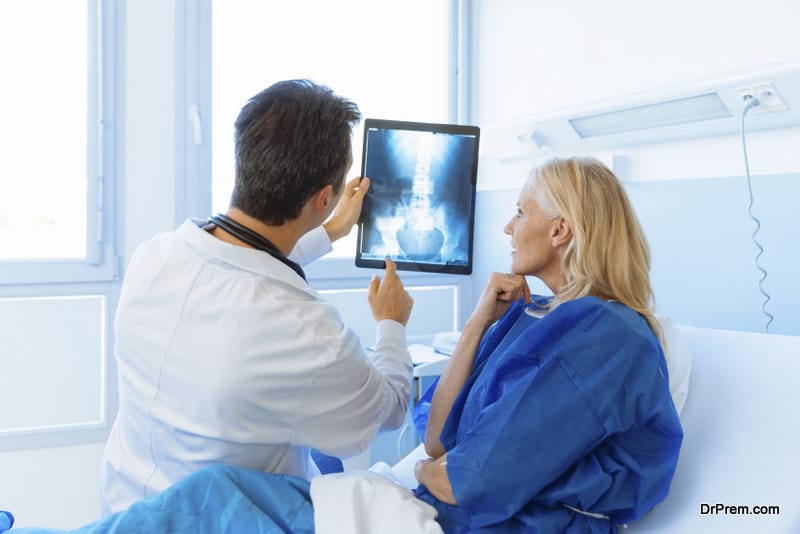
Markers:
point(224, 352)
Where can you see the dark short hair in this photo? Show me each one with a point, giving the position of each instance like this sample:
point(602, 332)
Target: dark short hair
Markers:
point(292, 139)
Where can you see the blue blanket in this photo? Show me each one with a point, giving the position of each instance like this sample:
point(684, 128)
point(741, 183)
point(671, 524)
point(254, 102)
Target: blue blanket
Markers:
point(215, 499)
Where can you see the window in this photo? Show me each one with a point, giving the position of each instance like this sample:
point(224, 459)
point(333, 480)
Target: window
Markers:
point(43, 199)
point(58, 265)
point(52, 194)
point(392, 59)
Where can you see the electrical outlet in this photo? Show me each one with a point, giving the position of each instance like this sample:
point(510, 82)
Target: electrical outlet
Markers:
point(768, 98)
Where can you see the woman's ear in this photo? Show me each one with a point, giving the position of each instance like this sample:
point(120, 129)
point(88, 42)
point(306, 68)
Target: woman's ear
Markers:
point(560, 232)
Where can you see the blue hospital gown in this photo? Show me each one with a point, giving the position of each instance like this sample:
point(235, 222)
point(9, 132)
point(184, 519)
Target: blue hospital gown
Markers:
point(570, 409)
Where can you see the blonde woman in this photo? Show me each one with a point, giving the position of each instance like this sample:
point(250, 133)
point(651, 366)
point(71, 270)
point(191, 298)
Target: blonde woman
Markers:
point(554, 414)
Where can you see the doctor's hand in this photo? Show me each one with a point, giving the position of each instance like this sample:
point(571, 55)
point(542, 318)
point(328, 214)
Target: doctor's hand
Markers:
point(348, 209)
point(389, 299)
point(500, 292)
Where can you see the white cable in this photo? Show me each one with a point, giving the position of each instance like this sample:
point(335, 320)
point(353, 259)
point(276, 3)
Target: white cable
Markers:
point(400, 437)
point(751, 102)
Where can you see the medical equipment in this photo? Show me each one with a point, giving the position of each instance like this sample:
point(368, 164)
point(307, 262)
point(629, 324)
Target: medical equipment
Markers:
point(669, 113)
point(255, 240)
point(750, 101)
point(420, 208)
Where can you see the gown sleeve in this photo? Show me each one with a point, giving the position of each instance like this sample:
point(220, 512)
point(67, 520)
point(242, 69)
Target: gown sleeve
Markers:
point(520, 444)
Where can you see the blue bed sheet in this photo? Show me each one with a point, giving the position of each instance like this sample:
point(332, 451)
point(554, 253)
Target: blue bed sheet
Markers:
point(217, 499)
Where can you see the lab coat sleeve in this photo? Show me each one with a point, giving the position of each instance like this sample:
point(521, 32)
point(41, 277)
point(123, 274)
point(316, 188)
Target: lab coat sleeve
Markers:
point(392, 358)
point(311, 246)
point(353, 396)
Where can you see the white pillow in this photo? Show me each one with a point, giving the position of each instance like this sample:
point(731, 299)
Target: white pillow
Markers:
point(679, 361)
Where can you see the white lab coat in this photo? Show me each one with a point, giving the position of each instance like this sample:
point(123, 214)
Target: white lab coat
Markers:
point(225, 355)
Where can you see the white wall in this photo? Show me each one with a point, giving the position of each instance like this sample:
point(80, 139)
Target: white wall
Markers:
point(54, 488)
point(542, 59)
point(538, 56)
point(545, 59)
point(769, 152)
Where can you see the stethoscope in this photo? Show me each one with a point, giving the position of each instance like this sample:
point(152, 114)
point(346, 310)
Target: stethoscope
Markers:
point(255, 240)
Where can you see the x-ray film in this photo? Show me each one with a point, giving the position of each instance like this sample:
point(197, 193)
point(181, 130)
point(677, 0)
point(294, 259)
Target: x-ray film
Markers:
point(420, 208)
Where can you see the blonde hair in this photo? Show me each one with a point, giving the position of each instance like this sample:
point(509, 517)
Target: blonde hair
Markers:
point(608, 254)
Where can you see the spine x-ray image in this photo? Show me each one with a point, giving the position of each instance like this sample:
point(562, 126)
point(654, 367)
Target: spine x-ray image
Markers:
point(419, 207)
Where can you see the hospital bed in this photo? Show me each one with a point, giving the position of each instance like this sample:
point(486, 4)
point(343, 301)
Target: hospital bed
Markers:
point(741, 437)
point(739, 470)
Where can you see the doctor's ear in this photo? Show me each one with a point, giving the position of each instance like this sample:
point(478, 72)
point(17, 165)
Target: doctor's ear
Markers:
point(322, 199)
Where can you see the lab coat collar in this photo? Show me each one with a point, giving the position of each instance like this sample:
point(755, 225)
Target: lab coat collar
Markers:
point(249, 259)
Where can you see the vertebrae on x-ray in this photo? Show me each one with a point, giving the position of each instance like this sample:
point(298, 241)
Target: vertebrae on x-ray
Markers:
point(419, 238)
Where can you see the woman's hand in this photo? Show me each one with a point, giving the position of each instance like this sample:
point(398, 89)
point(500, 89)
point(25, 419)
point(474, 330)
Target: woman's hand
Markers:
point(433, 475)
point(500, 292)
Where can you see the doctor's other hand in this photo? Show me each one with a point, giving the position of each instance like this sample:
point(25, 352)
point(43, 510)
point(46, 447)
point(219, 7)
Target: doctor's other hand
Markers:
point(348, 208)
point(500, 292)
point(388, 299)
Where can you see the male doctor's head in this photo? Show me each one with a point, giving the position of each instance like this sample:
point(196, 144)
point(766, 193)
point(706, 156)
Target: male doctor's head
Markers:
point(291, 140)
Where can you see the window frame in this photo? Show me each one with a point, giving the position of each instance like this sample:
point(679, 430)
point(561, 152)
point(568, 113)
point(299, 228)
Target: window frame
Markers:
point(99, 273)
point(101, 262)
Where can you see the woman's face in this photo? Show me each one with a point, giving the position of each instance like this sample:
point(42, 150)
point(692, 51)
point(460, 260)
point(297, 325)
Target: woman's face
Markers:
point(535, 249)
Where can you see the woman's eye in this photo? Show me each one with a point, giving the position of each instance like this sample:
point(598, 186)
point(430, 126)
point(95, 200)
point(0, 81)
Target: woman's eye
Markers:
point(519, 213)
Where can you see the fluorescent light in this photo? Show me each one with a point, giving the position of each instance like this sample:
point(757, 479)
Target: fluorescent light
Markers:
point(681, 111)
